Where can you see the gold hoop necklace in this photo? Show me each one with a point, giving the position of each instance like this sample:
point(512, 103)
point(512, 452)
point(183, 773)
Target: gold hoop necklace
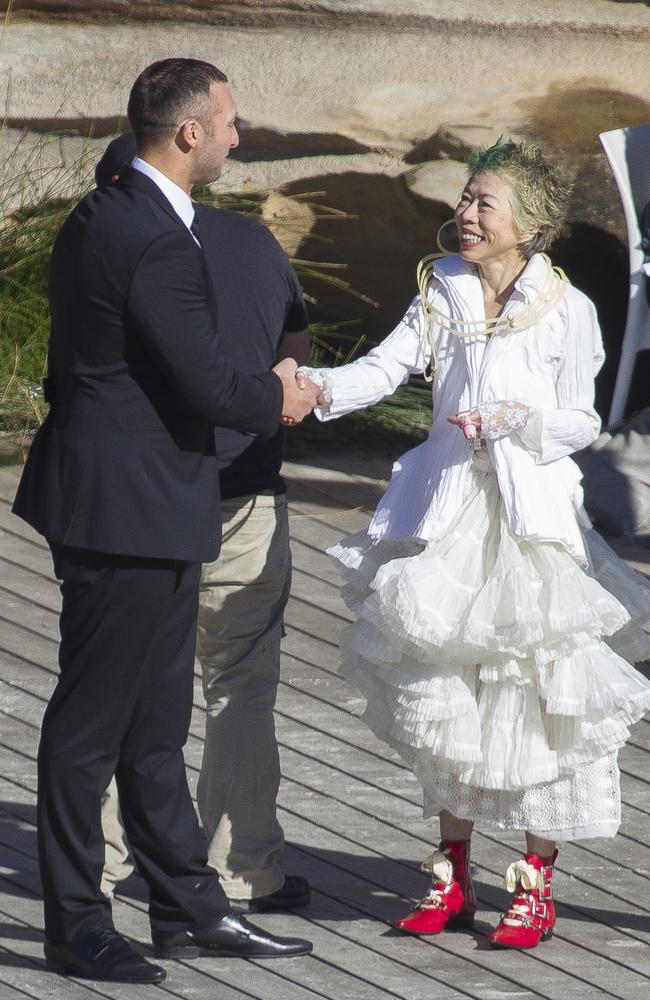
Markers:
point(549, 295)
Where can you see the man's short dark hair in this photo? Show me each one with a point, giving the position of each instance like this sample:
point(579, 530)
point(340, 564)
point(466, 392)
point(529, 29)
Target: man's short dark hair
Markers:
point(167, 92)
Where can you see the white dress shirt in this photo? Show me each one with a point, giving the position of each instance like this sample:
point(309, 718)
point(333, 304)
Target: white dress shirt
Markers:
point(178, 199)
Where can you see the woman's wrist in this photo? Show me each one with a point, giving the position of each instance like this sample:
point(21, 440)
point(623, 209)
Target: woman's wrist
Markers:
point(501, 417)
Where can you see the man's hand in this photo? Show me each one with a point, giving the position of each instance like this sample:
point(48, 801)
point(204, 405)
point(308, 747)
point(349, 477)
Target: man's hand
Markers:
point(298, 402)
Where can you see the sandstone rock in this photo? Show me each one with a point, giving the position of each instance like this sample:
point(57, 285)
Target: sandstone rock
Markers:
point(386, 229)
point(373, 86)
point(570, 118)
point(454, 142)
point(337, 110)
point(266, 175)
point(289, 219)
point(441, 180)
point(598, 14)
point(33, 168)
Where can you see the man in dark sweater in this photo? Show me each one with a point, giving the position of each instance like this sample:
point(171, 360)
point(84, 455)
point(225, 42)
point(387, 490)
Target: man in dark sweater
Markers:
point(261, 318)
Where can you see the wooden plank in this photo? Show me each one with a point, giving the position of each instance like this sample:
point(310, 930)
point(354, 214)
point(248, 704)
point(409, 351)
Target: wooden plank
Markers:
point(341, 959)
point(634, 763)
point(9, 476)
point(13, 525)
point(322, 593)
point(16, 553)
point(29, 616)
point(344, 983)
point(28, 644)
point(315, 973)
point(356, 964)
point(229, 978)
point(306, 795)
point(348, 803)
point(419, 877)
point(19, 581)
point(555, 970)
point(305, 614)
point(25, 705)
point(29, 546)
point(311, 563)
point(24, 908)
point(327, 977)
point(635, 798)
point(363, 818)
point(332, 493)
point(23, 976)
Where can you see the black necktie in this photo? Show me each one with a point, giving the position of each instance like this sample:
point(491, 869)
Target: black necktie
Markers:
point(194, 229)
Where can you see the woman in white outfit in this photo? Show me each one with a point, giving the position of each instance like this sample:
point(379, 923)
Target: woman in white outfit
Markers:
point(487, 610)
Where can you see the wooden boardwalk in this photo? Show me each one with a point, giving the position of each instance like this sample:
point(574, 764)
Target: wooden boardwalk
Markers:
point(351, 814)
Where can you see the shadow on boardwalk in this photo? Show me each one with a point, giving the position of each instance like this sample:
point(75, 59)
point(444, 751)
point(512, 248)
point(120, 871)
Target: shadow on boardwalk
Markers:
point(350, 810)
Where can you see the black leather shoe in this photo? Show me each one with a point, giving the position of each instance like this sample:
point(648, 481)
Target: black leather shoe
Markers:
point(294, 892)
point(231, 936)
point(102, 955)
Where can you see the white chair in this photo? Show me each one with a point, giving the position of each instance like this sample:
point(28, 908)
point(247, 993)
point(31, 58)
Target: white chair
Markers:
point(628, 152)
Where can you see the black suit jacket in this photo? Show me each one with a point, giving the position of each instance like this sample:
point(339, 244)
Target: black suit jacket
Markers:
point(125, 461)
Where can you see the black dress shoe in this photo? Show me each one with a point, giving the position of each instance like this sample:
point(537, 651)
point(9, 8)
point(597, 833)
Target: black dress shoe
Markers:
point(231, 936)
point(102, 955)
point(294, 892)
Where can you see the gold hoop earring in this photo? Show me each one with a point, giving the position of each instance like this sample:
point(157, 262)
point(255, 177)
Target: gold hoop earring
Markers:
point(439, 244)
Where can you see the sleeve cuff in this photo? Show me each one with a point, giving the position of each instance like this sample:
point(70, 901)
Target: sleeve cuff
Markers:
point(319, 377)
point(530, 434)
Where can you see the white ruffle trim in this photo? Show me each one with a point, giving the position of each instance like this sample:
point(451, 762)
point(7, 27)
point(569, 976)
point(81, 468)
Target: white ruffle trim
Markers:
point(482, 659)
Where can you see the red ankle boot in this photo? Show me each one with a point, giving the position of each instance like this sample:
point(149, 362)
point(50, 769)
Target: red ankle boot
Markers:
point(450, 902)
point(531, 916)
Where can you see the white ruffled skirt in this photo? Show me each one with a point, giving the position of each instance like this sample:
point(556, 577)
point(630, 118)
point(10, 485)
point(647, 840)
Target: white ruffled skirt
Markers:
point(483, 662)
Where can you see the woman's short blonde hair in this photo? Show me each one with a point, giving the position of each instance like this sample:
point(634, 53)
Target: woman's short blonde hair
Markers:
point(539, 194)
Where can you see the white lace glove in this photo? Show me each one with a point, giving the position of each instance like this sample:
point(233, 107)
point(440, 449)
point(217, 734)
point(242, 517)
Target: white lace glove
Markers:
point(320, 378)
point(502, 417)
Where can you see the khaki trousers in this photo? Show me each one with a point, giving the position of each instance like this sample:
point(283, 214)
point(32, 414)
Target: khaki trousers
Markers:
point(242, 599)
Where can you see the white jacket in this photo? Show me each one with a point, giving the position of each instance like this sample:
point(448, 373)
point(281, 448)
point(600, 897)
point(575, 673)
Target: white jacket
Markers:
point(549, 367)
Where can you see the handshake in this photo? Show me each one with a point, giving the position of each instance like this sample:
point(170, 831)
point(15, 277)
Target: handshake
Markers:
point(300, 393)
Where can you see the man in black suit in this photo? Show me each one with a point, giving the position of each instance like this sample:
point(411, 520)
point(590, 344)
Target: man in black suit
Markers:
point(122, 480)
point(244, 592)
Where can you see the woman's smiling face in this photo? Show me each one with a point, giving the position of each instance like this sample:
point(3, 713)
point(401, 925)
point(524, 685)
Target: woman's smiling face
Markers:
point(485, 220)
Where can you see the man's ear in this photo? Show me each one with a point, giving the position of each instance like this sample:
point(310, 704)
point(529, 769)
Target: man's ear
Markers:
point(188, 135)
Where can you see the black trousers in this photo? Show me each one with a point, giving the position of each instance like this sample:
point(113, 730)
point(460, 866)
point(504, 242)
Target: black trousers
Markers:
point(122, 705)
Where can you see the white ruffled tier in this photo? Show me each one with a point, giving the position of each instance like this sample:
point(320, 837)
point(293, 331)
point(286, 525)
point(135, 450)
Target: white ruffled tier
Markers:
point(482, 660)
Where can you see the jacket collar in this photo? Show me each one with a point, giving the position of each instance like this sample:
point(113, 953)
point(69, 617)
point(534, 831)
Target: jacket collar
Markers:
point(533, 278)
point(131, 178)
point(175, 195)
